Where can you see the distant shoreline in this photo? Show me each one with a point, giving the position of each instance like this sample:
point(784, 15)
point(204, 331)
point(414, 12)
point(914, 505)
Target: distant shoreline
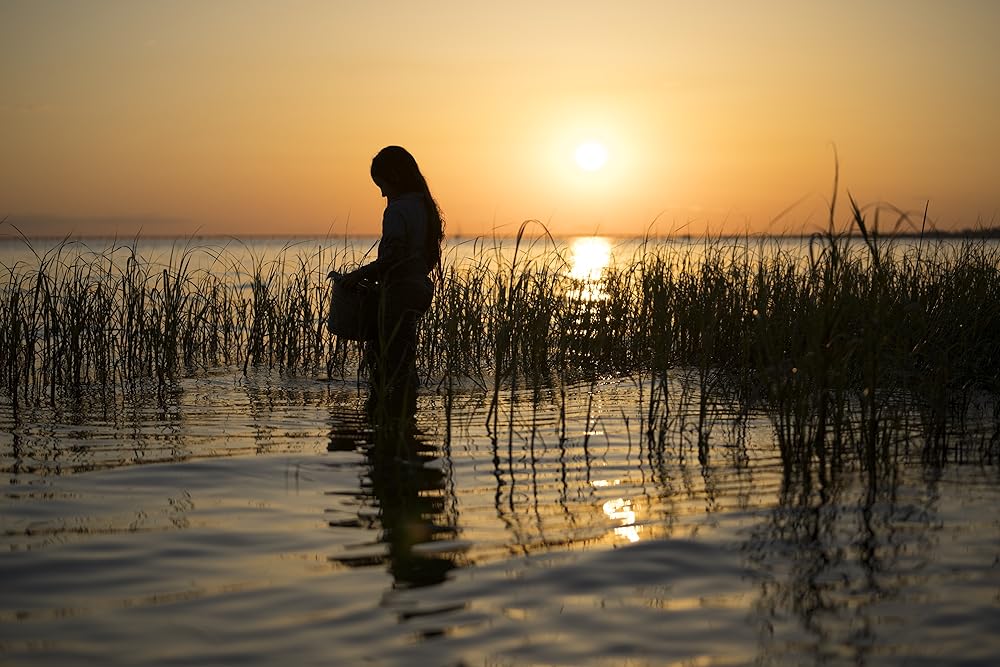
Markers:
point(988, 233)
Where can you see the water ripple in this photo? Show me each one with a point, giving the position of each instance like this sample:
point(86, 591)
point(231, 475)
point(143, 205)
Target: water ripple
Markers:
point(253, 519)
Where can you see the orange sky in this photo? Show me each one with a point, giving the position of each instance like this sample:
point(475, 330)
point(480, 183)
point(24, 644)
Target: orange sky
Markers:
point(249, 117)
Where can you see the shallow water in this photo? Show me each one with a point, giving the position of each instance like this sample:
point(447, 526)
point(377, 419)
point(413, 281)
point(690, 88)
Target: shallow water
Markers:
point(248, 519)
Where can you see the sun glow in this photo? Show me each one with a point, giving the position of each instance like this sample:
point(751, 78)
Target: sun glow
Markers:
point(591, 155)
point(591, 255)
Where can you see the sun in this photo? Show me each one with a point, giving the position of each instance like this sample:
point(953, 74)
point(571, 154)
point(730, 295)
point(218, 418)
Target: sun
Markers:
point(591, 155)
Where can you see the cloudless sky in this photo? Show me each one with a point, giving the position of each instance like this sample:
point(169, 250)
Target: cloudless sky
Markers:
point(245, 117)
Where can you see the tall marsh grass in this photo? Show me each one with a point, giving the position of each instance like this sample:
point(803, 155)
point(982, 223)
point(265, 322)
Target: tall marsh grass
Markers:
point(839, 342)
point(110, 319)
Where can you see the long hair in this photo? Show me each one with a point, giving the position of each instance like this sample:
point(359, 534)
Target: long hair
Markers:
point(394, 166)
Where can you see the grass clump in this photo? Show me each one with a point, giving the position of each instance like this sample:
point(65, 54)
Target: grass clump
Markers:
point(841, 340)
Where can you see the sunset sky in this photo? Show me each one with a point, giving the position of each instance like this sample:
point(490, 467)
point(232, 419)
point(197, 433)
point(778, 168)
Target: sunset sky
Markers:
point(244, 117)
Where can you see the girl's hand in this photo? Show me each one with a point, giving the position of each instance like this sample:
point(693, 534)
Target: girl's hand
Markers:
point(349, 280)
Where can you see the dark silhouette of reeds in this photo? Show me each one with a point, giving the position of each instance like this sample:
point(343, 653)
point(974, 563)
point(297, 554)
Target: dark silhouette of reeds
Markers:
point(854, 350)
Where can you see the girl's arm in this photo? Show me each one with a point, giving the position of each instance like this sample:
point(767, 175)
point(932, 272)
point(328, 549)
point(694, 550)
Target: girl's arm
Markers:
point(391, 249)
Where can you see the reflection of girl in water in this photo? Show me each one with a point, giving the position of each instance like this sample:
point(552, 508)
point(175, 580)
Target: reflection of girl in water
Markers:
point(415, 500)
point(408, 251)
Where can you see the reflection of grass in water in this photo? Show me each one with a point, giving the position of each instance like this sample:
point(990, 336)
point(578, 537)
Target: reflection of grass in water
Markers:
point(839, 347)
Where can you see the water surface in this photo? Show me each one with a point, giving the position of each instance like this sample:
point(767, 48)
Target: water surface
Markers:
point(249, 519)
point(248, 515)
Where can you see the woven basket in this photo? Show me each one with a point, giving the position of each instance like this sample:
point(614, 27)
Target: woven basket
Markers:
point(353, 312)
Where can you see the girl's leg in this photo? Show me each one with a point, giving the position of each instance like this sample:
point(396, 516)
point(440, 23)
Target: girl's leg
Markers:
point(400, 352)
point(395, 377)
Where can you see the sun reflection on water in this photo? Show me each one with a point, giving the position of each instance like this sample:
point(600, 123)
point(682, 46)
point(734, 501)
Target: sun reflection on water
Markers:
point(620, 509)
point(591, 256)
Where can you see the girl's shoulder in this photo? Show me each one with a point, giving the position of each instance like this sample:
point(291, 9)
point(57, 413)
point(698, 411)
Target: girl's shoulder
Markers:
point(406, 206)
point(407, 199)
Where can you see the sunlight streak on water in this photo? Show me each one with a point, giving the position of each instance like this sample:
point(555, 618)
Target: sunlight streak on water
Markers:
point(591, 255)
point(621, 510)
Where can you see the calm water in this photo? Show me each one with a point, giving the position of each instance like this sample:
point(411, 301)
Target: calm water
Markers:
point(236, 519)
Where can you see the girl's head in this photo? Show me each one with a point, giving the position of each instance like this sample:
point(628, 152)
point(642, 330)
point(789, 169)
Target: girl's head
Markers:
point(396, 172)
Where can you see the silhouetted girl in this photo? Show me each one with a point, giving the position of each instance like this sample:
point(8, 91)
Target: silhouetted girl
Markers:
point(408, 251)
